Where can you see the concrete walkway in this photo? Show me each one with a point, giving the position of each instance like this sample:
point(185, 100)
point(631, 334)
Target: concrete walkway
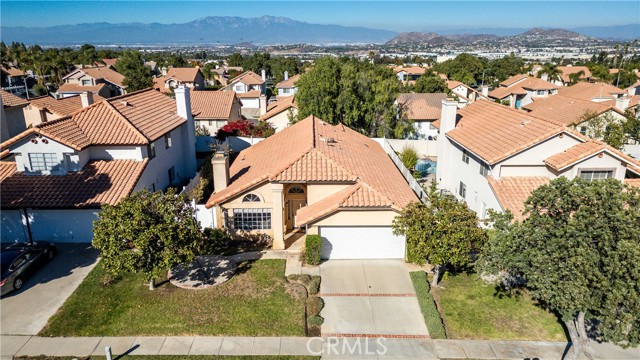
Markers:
point(329, 348)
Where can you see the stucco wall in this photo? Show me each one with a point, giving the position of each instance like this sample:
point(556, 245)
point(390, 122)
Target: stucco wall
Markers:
point(25, 146)
point(355, 218)
point(281, 120)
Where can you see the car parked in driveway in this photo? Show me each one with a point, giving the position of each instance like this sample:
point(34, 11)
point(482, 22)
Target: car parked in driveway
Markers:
point(20, 260)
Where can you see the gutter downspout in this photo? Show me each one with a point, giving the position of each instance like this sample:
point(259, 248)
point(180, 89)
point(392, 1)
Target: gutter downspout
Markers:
point(26, 218)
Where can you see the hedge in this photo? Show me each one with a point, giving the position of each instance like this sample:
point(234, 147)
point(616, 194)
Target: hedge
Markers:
point(312, 250)
point(427, 306)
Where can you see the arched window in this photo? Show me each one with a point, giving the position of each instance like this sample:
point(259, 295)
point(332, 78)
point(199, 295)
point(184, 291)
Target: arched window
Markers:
point(251, 198)
point(296, 190)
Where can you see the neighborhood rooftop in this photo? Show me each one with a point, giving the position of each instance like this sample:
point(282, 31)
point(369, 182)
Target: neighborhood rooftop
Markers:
point(212, 104)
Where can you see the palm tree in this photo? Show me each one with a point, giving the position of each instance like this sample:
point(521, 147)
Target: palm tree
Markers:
point(552, 72)
point(575, 77)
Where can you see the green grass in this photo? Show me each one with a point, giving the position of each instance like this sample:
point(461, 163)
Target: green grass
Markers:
point(427, 305)
point(472, 309)
point(257, 301)
point(172, 357)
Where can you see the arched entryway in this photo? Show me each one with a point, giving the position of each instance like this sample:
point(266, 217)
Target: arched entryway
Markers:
point(295, 197)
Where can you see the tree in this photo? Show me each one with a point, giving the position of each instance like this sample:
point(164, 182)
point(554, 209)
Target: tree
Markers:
point(632, 126)
point(147, 233)
point(552, 72)
point(247, 128)
point(444, 232)
point(575, 77)
point(603, 127)
point(465, 68)
point(429, 83)
point(577, 252)
point(136, 75)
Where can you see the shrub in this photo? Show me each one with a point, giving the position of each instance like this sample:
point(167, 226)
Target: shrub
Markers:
point(313, 248)
point(417, 174)
point(313, 285)
point(314, 305)
point(409, 157)
point(294, 277)
point(427, 306)
point(315, 321)
point(215, 241)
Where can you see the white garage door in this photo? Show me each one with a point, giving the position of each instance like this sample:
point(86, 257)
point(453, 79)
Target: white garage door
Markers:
point(361, 243)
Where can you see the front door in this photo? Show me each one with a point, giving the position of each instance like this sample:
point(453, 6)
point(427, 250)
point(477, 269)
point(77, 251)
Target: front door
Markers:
point(292, 206)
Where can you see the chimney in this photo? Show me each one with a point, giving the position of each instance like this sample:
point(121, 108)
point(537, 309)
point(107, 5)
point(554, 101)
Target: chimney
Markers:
point(622, 103)
point(86, 98)
point(220, 168)
point(183, 109)
point(264, 75)
point(485, 90)
point(286, 75)
point(263, 104)
point(164, 71)
point(545, 77)
point(448, 115)
point(183, 102)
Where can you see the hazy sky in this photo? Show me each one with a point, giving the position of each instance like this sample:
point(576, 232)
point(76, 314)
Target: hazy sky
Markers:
point(391, 15)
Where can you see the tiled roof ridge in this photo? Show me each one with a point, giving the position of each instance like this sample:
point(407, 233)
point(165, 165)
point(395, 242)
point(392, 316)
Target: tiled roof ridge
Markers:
point(130, 94)
point(279, 171)
point(42, 129)
point(127, 122)
point(378, 193)
point(522, 112)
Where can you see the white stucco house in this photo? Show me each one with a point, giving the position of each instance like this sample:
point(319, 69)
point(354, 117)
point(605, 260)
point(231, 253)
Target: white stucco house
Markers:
point(251, 88)
point(12, 120)
point(102, 80)
point(215, 109)
point(423, 110)
point(280, 113)
point(287, 87)
point(492, 156)
point(521, 90)
point(64, 170)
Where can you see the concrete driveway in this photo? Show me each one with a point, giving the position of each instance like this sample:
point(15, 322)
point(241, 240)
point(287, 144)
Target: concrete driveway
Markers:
point(27, 311)
point(370, 298)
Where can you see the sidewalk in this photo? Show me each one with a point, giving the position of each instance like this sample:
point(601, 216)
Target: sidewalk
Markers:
point(329, 348)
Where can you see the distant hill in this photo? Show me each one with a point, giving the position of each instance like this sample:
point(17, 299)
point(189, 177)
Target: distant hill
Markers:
point(207, 30)
point(411, 37)
point(552, 34)
point(618, 32)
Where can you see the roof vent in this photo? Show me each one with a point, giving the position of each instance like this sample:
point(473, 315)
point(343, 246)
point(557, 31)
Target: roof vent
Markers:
point(126, 103)
point(331, 140)
point(524, 122)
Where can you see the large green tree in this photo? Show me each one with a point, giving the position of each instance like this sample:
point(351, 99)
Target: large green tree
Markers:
point(429, 83)
point(136, 75)
point(444, 232)
point(577, 252)
point(147, 233)
point(465, 68)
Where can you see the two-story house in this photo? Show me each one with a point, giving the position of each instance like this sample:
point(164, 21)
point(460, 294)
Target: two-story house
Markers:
point(215, 109)
point(465, 93)
point(566, 75)
point(423, 110)
point(287, 87)
point(521, 90)
point(314, 178)
point(251, 88)
point(64, 170)
point(102, 80)
point(492, 156)
point(596, 92)
point(174, 77)
point(409, 74)
point(12, 76)
point(12, 120)
point(281, 113)
point(48, 108)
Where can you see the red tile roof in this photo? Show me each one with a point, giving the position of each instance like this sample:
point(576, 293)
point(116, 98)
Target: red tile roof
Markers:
point(289, 83)
point(422, 107)
point(279, 106)
point(566, 110)
point(247, 78)
point(633, 182)
point(312, 150)
point(249, 94)
point(9, 100)
point(588, 149)
point(63, 106)
point(495, 132)
point(102, 72)
point(565, 71)
point(519, 86)
point(212, 104)
point(7, 168)
point(77, 88)
point(183, 74)
point(512, 192)
point(99, 182)
point(513, 79)
point(590, 91)
point(13, 71)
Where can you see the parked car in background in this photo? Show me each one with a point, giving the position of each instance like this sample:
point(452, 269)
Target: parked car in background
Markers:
point(20, 260)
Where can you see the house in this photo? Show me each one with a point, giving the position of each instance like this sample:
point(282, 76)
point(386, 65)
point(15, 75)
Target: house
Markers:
point(110, 63)
point(423, 110)
point(280, 113)
point(172, 78)
point(409, 75)
point(465, 93)
point(314, 178)
point(153, 66)
point(221, 73)
point(12, 121)
point(12, 76)
point(634, 89)
point(567, 71)
point(67, 90)
point(593, 91)
point(492, 156)
point(573, 112)
point(251, 88)
point(47, 108)
point(214, 109)
point(88, 78)
point(64, 170)
point(520, 90)
point(287, 87)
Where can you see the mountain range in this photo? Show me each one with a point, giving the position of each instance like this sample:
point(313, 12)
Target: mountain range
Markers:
point(265, 30)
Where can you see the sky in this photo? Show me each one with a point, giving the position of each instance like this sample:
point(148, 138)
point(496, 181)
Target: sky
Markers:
point(389, 15)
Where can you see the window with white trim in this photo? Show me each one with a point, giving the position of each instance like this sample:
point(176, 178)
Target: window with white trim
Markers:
point(295, 190)
point(167, 141)
point(592, 175)
point(86, 82)
point(172, 174)
point(484, 169)
point(43, 161)
point(251, 198)
point(465, 156)
point(252, 219)
point(152, 150)
point(540, 92)
point(463, 190)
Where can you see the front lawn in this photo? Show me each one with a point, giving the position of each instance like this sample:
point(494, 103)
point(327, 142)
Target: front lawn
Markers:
point(257, 301)
point(471, 309)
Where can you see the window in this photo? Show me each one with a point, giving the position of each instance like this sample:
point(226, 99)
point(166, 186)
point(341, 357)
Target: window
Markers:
point(286, 90)
point(172, 175)
point(167, 141)
point(210, 122)
point(583, 130)
point(296, 190)
point(592, 175)
point(86, 82)
point(152, 150)
point(483, 210)
point(484, 169)
point(238, 88)
point(251, 198)
point(43, 161)
point(463, 190)
point(540, 92)
point(465, 156)
point(252, 219)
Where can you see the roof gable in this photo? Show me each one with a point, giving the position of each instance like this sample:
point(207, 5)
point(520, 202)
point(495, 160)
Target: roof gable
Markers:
point(212, 104)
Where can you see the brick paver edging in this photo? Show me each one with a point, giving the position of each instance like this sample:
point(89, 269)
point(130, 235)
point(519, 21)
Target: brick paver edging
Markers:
point(363, 294)
point(371, 336)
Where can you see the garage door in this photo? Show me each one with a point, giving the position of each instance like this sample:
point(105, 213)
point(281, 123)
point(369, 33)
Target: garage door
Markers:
point(361, 243)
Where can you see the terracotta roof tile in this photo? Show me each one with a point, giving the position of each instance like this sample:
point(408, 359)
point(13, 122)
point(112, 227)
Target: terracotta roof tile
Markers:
point(279, 106)
point(422, 107)
point(247, 78)
point(77, 88)
point(411, 70)
point(10, 100)
point(109, 62)
point(99, 182)
point(63, 106)
point(495, 132)
point(326, 206)
point(312, 150)
point(249, 94)
point(102, 72)
point(7, 168)
point(633, 182)
point(212, 104)
point(13, 71)
point(289, 83)
point(590, 91)
point(519, 86)
point(512, 192)
point(565, 71)
point(513, 79)
point(575, 153)
point(183, 74)
point(566, 110)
